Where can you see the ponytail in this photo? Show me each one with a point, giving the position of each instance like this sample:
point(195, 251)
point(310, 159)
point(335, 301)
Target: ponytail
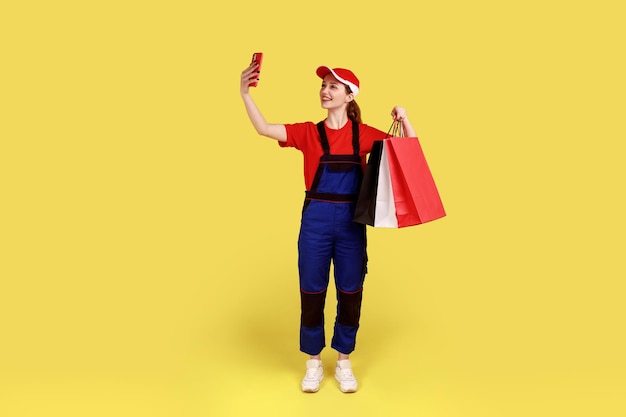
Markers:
point(353, 109)
point(354, 112)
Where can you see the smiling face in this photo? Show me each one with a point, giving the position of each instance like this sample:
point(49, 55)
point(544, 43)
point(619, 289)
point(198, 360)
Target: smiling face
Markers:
point(334, 93)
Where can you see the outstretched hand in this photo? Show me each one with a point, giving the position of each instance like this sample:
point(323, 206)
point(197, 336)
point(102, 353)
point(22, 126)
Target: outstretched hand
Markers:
point(248, 76)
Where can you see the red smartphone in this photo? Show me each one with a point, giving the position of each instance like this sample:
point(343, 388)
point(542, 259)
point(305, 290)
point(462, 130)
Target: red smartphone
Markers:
point(257, 57)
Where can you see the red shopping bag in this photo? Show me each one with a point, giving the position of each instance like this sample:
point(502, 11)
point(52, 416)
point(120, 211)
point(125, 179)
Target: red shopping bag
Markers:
point(415, 193)
point(398, 188)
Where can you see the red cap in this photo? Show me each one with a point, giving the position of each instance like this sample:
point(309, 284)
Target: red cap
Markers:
point(345, 76)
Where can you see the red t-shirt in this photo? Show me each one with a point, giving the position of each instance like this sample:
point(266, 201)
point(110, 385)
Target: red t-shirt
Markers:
point(305, 138)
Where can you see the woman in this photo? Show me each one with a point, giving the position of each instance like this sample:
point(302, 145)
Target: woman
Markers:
point(334, 152)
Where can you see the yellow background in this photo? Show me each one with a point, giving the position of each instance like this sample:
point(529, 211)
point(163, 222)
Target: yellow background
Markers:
point(148, 235)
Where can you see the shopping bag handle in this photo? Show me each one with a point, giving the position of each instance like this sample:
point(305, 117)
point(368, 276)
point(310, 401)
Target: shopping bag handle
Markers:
point(396, 129)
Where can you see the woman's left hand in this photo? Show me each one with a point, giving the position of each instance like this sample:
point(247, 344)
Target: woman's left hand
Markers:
point(398, 113)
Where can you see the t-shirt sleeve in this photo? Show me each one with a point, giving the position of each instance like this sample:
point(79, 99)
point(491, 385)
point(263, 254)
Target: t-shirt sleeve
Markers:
point(368, 136)
point(296, 135)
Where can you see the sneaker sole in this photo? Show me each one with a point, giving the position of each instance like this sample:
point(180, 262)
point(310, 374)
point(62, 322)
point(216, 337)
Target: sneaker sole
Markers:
point(313, 390)
point(348, 390)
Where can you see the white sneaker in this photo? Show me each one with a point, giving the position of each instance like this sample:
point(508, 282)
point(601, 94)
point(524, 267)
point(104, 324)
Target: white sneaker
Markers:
point(314, 375)
point(345, 377)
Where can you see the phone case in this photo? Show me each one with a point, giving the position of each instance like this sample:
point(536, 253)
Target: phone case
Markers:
point(257, 57)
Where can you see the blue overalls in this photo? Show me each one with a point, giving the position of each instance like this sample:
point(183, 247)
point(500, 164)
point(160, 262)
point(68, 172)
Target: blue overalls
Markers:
point(328, 232)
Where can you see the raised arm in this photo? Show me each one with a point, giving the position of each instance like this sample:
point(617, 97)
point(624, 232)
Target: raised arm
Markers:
point(399, 114)
point(274, 131)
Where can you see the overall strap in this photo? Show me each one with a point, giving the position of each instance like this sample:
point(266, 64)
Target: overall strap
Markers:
point(323, 138)
point(356, 146)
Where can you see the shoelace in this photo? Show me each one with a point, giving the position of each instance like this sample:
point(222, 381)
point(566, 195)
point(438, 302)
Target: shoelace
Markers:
point(311, 373)
point(346, 374)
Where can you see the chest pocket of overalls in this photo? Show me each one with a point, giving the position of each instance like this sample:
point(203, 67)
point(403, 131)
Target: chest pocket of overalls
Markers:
point(340, 174)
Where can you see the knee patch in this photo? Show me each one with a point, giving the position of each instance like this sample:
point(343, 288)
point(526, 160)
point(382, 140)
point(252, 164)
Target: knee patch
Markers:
point(312, 309)
point(349, 308)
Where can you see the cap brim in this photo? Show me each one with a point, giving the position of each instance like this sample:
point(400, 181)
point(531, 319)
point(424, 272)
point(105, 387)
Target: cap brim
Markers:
point(323, 71)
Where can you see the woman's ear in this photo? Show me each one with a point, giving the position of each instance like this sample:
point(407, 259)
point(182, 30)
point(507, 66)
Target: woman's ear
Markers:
point(349, 97)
